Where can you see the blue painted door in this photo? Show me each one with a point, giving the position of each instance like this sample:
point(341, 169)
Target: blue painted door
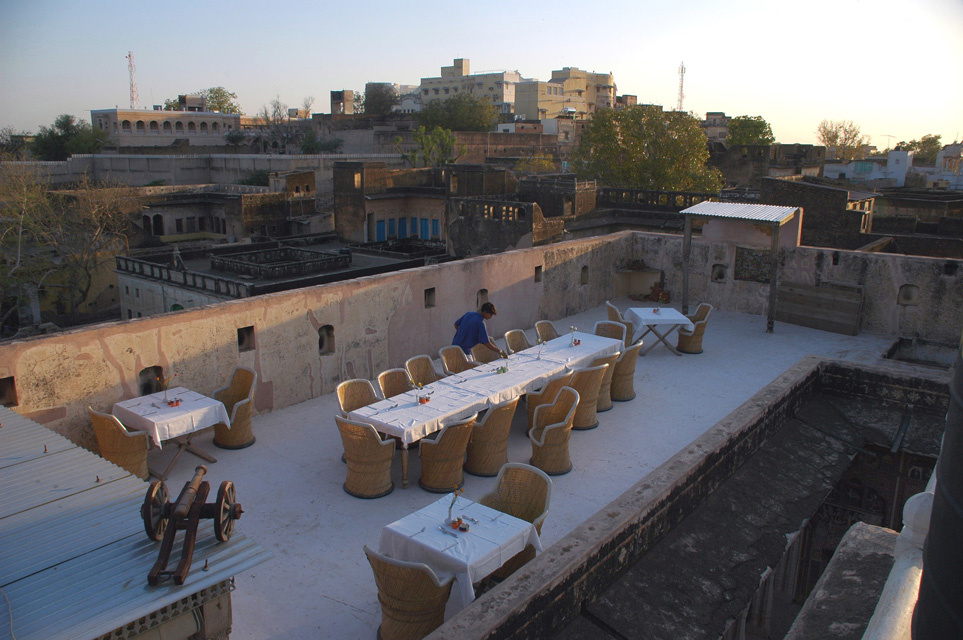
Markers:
point(402, 227)
point(380, 235)
point(424, 229)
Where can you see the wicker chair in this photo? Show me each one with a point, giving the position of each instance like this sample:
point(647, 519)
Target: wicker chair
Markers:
point(525, 492)
point(412, 597)
point(238, 399)
point(587, 381)
point(394, 381)
point(483, 354)
point(623, 378)
point(354, 394)
point(488, 446)
point(516, 340)
point(368, 457)
point(120, 446)
point(546, 330)
point(616, 316)
point(605, 389)
point(551, 433)
point(610, 329)
point(422, 370)
point(454, 360)
point(545, 395)
point(691, 341)
point(443, 457)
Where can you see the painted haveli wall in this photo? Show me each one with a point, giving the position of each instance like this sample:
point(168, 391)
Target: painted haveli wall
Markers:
point(380, 321)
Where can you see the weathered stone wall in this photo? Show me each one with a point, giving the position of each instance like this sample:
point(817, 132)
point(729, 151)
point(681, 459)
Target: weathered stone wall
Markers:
point(826, 222)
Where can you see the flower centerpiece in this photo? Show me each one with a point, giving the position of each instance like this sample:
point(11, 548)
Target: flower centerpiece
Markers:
point(165, 383)
point(454, 497)
point(574, 329)
point(540, 343)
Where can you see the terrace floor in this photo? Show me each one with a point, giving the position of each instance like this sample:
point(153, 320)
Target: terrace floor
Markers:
point(319, 584)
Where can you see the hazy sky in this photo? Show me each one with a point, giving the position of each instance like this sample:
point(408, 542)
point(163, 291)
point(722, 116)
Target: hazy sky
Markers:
point(893, 67)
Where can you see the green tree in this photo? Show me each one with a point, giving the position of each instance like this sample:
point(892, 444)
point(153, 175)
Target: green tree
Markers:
point(924, 150)
point(432, 148)
point(842, 135)
point(463, 112)
point(66, 137)
point(13, 143)
point(644, 147)
point(749, 130)
point(311, 143)
point(378, 100)
point(215, 99)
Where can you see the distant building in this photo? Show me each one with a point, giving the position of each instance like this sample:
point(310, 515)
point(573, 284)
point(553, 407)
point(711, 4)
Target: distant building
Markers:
point(716, 126)
point(890, 171)
point(342, 102)
point(159, 128)
point(497, 87)
point(743, 166)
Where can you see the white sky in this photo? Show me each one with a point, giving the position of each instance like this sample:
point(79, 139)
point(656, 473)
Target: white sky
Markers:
point(893, 67)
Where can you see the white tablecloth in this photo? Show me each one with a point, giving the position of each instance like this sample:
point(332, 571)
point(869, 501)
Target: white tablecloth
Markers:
point(456, 397)
point(468, 555)
point(153, 415)
point(647, 316)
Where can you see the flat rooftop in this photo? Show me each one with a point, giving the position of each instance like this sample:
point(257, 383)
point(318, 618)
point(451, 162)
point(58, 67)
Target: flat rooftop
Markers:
point(319, 584)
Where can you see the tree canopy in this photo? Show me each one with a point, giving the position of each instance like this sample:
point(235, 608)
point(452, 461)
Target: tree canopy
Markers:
point(66, 137)
point(749, 130)
point(215, 99)
point(842, 135)
point(377, 100)
point(924, 150)
point(644, 147)
point(463, 112)
point(433, 148)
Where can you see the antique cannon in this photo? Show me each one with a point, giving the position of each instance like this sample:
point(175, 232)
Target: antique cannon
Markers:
point(163, 519)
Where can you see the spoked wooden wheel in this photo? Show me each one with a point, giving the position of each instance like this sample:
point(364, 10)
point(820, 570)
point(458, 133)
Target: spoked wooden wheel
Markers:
point(152, 511)
point(227, 510)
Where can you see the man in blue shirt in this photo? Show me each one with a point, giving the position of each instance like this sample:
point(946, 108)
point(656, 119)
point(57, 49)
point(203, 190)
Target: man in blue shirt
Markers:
point(470, 330)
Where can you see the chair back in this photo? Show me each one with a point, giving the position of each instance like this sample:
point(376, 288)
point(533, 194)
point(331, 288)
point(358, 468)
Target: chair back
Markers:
point(516, 340)
point(240, 388)
point(614, 314)
point(422, 370)
point(393, 382)
point(702, 313)
point(546, 330)
point(354, 394)
point(488, 445)
point(552, 431)
point(238, 399)
point(522, 491)
point(587, 381)
point(605, 389)
point(623, 378)
point(118, 445)
point(545, 395)
point(454, 360)
point(610, 329)
point(690, 340)
point(483, 354)
point(368, 458)
point(443, 457)
point(412, 597)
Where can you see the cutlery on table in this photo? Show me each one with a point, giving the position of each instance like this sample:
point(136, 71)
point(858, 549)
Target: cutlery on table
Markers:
point(446, 531)
point(469, 518)
point(416, 532)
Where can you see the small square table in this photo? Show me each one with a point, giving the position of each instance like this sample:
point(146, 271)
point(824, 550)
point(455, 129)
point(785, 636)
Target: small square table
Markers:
point(179, 424)
point(654, 317)
point(468, 555)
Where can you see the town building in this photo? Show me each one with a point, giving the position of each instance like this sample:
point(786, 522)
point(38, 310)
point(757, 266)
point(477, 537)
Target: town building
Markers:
point(158, 128)
point(874, 172)
point(497, 87)
point(716, 126)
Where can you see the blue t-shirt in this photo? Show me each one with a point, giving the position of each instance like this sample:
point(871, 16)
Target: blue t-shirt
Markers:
point(471, 331)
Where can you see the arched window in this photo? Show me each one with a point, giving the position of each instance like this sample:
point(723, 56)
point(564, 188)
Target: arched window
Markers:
point(191, 127)
point(154, 129)
point(125, 126)
point(214, 128)
point(141, 127)
point(203, 128)
point(179, 127)
point(145, 224)
point(167, 128)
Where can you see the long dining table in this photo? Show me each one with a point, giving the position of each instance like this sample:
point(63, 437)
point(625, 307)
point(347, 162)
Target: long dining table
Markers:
point(458, 396)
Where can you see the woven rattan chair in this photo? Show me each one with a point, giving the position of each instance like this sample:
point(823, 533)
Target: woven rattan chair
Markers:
point(393, 382)
point(443, 457)
point(483, 354)
point(454, 360)
point(118, 445)
point(488, 446)
point(524, 492)
point(605, 389)
point(516, 340)
point(412, 597)
point(368, 457)
point(691, 341)
point(545, 395)
point(422, 370)
point(551, 433)
point(616, 316)
point(610, 329)
point(354, 394)
point(587, 381)
point(238, 399)
point(546, 330)
point(623, 378)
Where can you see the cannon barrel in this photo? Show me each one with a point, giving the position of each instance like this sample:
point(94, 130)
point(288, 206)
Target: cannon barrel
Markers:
point(188, 493)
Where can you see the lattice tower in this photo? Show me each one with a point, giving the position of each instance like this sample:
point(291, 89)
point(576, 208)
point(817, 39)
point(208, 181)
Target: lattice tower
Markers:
point(134, 99)
point(678, 107)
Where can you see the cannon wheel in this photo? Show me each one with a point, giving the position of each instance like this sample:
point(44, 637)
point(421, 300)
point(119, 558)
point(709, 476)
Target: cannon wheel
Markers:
point(226, 511)
point(155, 522)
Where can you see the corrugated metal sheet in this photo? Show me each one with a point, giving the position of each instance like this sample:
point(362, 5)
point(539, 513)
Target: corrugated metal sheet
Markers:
point(762, 213)
point(73, 553)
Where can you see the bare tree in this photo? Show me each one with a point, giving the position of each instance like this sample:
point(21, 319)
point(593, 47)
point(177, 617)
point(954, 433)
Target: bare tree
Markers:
point(305, 111)
point(842, 135)
point(272, 120)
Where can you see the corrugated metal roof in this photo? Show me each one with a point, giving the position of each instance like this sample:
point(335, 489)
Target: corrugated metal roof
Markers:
point(763, 213)
point(73, 553)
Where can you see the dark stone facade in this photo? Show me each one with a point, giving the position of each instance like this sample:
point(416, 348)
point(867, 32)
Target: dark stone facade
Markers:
point(827, 220)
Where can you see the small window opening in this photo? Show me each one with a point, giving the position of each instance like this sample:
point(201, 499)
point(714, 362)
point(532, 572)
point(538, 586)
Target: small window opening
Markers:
point(909, 295)
point(429, 298)
point(481, 298)
point(245, 339)
point(538, 273)
point(326, 340)
point(149, 380)
point(584, 277)
point(8, 392)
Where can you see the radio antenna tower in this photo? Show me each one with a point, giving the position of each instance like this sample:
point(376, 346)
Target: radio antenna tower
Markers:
point(678, 107)
point(134, 99)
